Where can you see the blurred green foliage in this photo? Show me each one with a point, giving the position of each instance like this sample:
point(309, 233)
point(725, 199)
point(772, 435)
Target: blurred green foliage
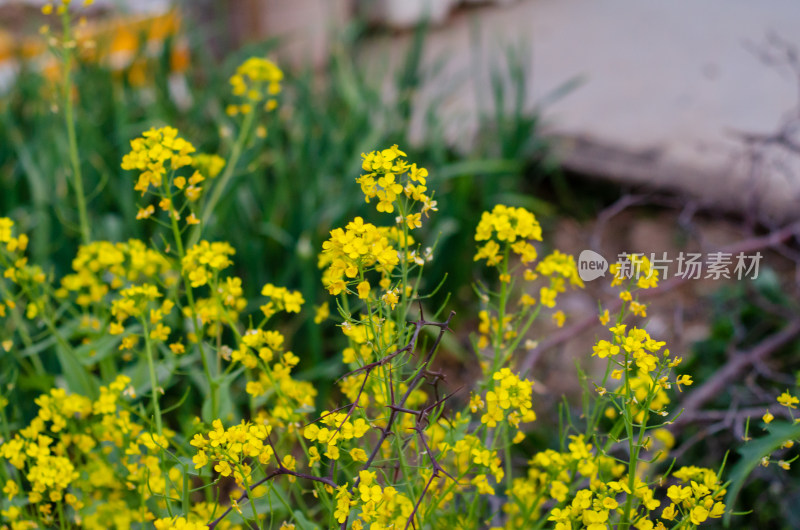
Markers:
point(293, 185)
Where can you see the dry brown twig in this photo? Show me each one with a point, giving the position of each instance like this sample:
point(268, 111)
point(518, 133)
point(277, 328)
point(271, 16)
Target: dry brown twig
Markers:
point(771, 240)
point(396, 407)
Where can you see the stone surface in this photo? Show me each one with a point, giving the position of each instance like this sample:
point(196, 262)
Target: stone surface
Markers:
point(664, 87)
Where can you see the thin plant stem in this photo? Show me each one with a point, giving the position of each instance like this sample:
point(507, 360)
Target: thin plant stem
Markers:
point(222, 182)
point(69, 118)
point(176, 234)
point(153, 380)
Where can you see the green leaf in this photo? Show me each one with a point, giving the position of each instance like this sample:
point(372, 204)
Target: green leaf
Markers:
point(302, 522)
point(752, 453)
point(98, 349)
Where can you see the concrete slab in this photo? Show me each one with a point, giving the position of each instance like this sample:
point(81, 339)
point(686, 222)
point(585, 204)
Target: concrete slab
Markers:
point(665, 86)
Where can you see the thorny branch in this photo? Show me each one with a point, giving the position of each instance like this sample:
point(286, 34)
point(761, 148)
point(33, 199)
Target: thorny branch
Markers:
point(387, 431)
point(281, 470)
point(396, 408)
point(771, 240)
point(732, 369)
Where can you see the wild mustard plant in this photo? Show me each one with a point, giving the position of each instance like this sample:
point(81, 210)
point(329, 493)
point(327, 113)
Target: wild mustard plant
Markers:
point(65, 46)
point(256, 84)
point(405, 449)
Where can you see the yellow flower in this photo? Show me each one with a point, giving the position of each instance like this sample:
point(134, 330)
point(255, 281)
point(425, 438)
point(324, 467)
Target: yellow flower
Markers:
point(390, 298)
point(154, 153)
point(313, 455)
point(10, 489)
point(145, 213)
point(200, 459)
point(321, 312)
point(255, 80)
point(767, 417)
point(685, 380)
point(788, 400)
point(363, 290)
point(161, 332)
point(358, 454)
point(698, 515)
point(669, 513)
point(603, 349)
point(223, 468)
point(547, 297)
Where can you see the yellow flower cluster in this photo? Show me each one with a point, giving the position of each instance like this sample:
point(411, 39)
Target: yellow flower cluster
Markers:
point(357, 248)
point(209, 165)
point(263, 352)
point(389, 177)
point(381, 507)
point(636, 268)
point(636, 344)
point(490, 325)
point(101, 463)
point(12, 244)
point(338, 428)
point(157, 155)
point(647, 366)
point(102, 266)
point(509, 399)
point(135, 301)
point(281, 299)
point(465, 455)
point(205, 260)
point(177, 523)
point(14, 267)
point(156, 152)
point(368, 339)
point(788, 400)
point(698, 501)
point(255, 80)
point(61, 7)
point(344, 502)
point(550, 473)
point(82, 458)
point(513, 227)
point(234, 450)
point(560, 269)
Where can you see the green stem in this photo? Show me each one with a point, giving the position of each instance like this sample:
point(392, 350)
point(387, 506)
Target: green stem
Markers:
point(69, 118)
point(216, 194)
point(509, 468)
point(176, 234)
point(252, 501)
point(153, 380)
point(501, 313)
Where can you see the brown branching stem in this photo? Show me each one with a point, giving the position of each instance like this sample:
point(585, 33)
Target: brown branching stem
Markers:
point(773, 239)
point(281, 470)
point(396, 407)
point(415, 381)
point(737, 365)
